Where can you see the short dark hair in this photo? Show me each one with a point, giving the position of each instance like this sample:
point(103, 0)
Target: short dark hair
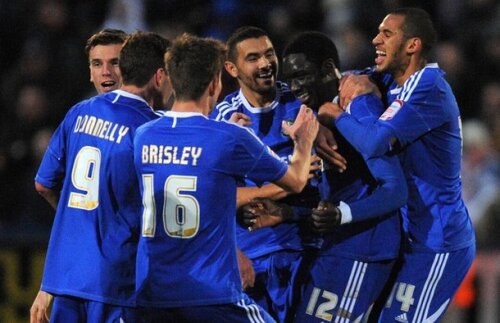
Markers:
point(106, 36)
point(317, 47)
point(192, 62)
point(240, 35)
point(141, 56)
point(418, 23)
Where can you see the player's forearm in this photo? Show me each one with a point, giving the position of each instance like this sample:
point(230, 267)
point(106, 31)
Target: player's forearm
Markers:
point(246, 194)
point(391, 189)
point(298, 170)
point(303, 131)
point(369, 139)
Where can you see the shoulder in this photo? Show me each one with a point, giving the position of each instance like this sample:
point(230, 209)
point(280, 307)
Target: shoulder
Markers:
point(235, 130)
point(147, 127)
point(284, 94)
point(422, 81)
point(223, 110)
point(83, 105)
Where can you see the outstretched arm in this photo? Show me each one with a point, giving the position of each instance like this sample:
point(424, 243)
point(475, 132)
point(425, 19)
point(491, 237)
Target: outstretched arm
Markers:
point(263, 212)
point(303, 132)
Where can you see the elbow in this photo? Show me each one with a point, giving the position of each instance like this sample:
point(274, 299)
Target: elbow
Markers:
point(298, 188)
point(295, 186)
point(372, 148)
point(395, 195)
point(42, 190)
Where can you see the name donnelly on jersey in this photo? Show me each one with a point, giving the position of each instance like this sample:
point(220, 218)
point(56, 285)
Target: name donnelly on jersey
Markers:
point(100, 128)
point(159, 154)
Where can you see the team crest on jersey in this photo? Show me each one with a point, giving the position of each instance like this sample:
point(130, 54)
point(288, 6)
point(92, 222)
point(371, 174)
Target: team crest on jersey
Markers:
point(392, 110)
point(288, 123)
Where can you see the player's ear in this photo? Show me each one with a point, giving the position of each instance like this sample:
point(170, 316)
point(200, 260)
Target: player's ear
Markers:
point(212, 86)
point(328, 70)
point(231, 68)
point(159, 76)
point(413, 45)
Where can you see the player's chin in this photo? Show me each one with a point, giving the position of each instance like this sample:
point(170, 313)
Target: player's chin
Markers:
point(266, 84)
point(381, 68)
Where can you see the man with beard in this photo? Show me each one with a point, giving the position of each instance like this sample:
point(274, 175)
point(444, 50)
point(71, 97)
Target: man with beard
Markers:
point(358, 217)
point(422, 126)
point(189, 166)
point(276, 252)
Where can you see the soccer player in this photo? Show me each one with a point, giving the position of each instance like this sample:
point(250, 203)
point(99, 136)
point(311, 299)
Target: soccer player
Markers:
point(103, 52)
point(276, 252)
point(358, 216)
point(188, 166)
point(87, 175)
point(422, 126)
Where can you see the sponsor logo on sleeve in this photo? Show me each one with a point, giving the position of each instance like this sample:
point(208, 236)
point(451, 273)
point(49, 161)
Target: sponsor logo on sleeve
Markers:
point(392, 110)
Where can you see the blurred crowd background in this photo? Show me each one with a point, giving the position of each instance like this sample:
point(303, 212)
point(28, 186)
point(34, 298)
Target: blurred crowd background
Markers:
point(44, 71)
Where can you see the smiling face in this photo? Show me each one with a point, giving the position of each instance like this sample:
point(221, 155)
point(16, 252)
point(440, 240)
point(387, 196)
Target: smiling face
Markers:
point(303, 78)
point(256, 66)
point(104, 70)
point(390, 46)
point(311, 84)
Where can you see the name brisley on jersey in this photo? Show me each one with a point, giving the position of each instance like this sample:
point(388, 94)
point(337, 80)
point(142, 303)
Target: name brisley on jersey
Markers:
point(160, 154)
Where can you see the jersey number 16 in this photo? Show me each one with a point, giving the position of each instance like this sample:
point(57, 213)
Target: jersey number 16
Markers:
point(181, 212)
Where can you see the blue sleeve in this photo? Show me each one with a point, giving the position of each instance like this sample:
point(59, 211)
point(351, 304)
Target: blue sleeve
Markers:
point(53, 165)
point(360, 127)
point(417, 109)
point(391, 184)
point(421, 107)
point(389, 195)
point(222, 111)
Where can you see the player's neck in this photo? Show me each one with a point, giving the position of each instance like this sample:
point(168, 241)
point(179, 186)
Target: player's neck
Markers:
point(191, 106)
point(143, 92)
point(258, 100)
point(416, 64)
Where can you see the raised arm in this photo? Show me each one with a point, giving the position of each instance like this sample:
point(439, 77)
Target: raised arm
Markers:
point(303, 132)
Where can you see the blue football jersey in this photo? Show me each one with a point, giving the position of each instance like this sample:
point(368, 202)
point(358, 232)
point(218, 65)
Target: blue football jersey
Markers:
point(424, 116)
point(266, 124)
point(375, 231)
point(93, 243)
point(188, 168)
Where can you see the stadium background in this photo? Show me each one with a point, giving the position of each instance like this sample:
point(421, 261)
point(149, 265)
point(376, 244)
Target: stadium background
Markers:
point(44, 72)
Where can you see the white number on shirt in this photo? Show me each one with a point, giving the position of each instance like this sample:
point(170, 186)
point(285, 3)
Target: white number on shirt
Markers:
point(329, 304)
point(85, 177)
point(181, 212)
point(404, 295)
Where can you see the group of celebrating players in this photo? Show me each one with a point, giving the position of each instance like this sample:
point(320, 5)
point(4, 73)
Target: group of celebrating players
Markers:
point(327, 196)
